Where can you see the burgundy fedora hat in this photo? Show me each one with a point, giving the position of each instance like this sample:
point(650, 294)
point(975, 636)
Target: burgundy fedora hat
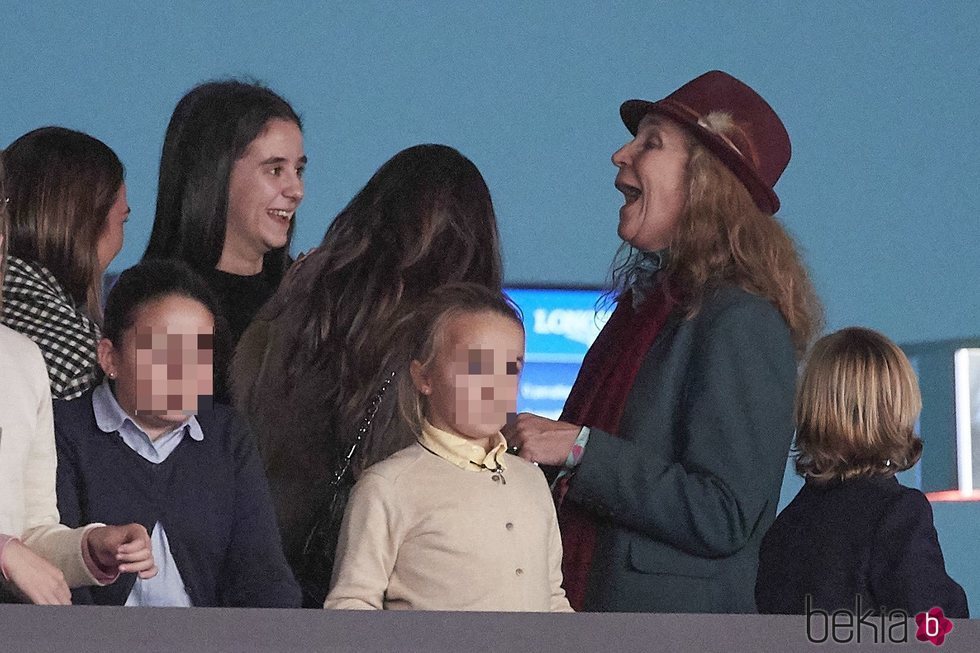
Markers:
point(756, 149)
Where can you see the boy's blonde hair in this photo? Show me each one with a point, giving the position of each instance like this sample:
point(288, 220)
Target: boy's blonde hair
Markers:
point(856, 408)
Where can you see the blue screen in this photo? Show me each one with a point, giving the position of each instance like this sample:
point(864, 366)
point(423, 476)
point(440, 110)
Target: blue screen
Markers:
point(561, 324)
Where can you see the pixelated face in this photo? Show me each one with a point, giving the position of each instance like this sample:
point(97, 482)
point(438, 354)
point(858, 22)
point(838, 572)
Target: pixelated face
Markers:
point(471, 385)
point(164, 365)
point(265, 188)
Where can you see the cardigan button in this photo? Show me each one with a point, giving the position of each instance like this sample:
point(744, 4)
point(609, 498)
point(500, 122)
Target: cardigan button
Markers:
point(519, 571)
point(510, 526)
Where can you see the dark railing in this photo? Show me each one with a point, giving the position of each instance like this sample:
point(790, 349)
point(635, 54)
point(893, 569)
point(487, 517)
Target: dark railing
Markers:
point(130, 630)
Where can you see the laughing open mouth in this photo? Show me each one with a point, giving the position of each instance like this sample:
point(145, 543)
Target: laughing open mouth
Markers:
point(281, 214)
point(631, 193)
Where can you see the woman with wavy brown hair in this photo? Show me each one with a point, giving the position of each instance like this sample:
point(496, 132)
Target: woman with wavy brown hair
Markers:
point(306, 369)
point(673, 441)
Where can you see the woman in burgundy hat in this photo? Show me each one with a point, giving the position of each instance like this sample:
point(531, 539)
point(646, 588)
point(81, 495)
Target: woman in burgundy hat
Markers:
point(674, 439)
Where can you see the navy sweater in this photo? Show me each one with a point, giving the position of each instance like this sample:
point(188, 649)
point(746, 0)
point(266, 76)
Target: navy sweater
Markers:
point(211, 496)
point(867, 537)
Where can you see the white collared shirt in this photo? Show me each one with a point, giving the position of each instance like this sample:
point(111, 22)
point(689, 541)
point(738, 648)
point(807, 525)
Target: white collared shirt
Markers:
point(166, 589)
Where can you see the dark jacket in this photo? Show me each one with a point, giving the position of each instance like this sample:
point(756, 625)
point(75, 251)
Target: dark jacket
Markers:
point(686, 491)
point(210, 495)
point(867, 537)
point(299, 439)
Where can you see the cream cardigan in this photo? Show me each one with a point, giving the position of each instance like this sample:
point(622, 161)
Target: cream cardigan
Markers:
point(420, 533)
point(28, 503)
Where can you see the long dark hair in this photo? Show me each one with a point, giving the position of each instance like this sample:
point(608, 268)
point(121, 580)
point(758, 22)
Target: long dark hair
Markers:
point(210, 129)
point(424, 219)
point(61, 185)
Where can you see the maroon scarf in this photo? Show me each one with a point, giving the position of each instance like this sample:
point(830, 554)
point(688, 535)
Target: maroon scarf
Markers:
point(597, 400)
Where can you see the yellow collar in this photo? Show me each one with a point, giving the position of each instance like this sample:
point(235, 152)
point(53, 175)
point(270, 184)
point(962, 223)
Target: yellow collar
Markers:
point(462, 452)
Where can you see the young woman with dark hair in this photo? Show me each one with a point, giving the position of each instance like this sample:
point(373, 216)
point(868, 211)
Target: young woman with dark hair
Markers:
point(231, 179)
point(316, 354)
point(66, 205)
point(674, 438)
point(145, 445)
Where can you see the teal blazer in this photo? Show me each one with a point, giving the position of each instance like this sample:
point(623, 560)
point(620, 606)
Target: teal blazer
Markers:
point(684, 493)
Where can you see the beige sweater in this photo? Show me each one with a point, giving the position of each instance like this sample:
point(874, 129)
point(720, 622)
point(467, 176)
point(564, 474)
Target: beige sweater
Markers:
point(28, 503)
point(421, 533)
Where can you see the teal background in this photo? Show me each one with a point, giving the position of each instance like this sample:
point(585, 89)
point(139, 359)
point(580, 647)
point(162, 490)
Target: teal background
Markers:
point(880, 99)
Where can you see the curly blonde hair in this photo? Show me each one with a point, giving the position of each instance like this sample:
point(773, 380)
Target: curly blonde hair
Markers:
point(723, 237)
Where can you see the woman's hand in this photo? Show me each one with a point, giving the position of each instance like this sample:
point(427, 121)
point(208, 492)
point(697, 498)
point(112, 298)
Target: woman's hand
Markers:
point(37, 579)
point(541, 440)
point(126, 548)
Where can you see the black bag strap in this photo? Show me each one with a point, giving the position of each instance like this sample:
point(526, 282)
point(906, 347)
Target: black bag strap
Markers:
point(343, 465)
point(369, 414)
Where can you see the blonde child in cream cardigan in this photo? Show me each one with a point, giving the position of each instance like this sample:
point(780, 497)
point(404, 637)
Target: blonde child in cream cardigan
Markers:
point(454, 522)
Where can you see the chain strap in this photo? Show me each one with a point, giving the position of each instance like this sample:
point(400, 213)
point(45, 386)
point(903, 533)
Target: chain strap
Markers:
point(369, 415)
point(327, 512)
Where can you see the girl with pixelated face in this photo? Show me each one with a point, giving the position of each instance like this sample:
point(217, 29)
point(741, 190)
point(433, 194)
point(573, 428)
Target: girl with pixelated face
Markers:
point(163, 368)
point(853, 533)
point(148, 443)
point(454, 522)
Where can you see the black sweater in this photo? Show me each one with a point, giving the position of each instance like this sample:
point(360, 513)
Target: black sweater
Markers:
point(867, 537)
point(239, 299)
point(210, 495)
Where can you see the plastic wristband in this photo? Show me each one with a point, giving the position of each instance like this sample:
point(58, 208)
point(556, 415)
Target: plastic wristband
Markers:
point(578, 449)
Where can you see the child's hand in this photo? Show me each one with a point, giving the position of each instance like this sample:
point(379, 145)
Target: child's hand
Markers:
point(37, 579)
point(126, 548)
